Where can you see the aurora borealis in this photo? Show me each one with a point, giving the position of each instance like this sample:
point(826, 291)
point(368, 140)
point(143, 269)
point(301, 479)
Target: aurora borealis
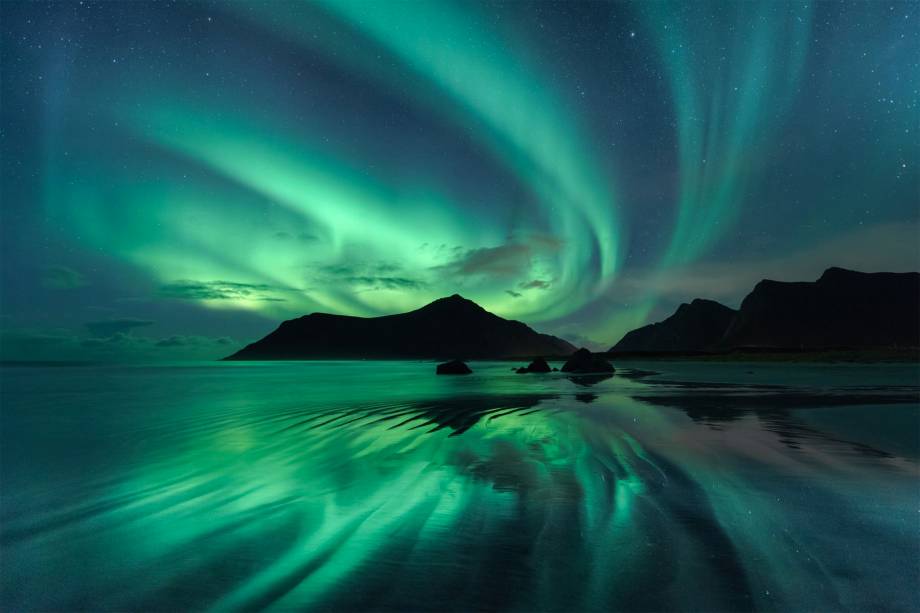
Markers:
point(178, 177)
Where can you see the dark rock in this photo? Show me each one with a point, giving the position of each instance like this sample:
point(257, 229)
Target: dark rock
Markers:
point(451, 326)
point(454, 367)
point(538, 365)
point(583, 361)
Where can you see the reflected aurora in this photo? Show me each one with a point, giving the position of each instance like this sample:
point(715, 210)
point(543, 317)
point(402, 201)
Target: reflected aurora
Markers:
point(373, 496)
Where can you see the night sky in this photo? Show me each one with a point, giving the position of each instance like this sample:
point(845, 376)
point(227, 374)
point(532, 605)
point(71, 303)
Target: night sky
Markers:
point(179, 177)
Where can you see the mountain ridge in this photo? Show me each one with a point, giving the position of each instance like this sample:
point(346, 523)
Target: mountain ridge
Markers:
point(449, 327)
point(694, 326)
point(842, 309)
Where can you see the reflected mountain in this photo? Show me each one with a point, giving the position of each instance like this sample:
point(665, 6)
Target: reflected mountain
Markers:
point(589, 380)
point(717, 405)
point(636, 374)
point(458, 414)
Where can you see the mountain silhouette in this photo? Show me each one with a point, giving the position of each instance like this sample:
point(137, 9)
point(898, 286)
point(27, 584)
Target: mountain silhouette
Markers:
point(697, 326)
point(843, 309)
point(451, 327)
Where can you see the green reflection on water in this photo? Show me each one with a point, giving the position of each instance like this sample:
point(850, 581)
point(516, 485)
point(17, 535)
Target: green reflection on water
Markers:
point(380, 486)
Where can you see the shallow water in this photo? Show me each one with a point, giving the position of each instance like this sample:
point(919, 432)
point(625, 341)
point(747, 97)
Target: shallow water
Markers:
point(379, 486)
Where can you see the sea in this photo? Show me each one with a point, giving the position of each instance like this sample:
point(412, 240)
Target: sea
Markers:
point(379, 486)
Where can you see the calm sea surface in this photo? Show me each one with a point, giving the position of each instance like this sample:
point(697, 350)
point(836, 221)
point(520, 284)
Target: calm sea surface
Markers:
point(379, 486)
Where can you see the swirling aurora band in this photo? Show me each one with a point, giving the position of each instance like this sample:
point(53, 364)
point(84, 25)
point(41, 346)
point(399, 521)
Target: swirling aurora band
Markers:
point(366, 158)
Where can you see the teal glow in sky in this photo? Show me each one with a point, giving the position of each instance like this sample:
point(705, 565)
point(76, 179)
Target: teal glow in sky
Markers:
point(188, 176)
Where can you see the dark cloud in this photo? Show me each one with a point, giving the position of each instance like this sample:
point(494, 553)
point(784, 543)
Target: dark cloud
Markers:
point(179, 340)
point(337, 270)
point(373, 276)
point(535, 284)
point(513, 293)
point(220, 290)
point(117, 339)
point(62, 277)
point(507, 260)
point(358, 269)
point(385, 282)
point(512, 259)
point(545, 242)
point(173, 341)
point(64, 345)
point(113, 327)
point(11, 337)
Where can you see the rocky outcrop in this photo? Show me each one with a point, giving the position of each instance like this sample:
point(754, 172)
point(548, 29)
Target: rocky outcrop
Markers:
point(583, 361)
point(538, 365)
point(454, 367)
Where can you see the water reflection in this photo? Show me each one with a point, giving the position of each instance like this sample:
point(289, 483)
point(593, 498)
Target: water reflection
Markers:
point(327, 487)
point(589, 380)
point(456, 414)
point(776, 407)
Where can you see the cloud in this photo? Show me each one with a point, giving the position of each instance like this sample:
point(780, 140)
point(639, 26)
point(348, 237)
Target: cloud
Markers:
point(367, 277)
point(513, 259)
point(509, 260)
point(27, 337)
point(179, 340)
point(384, 282)
point(535, 284)
point(513, 293)
point(173, 341)
point(891, 247)
point(114, 327)
point(116, 339)
point(64, 345)
point(62, 277)
point(186, 289)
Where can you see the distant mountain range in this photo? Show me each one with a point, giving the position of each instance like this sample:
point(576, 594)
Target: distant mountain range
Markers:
point(693, 327)
point(452, 327)
point(844, 309)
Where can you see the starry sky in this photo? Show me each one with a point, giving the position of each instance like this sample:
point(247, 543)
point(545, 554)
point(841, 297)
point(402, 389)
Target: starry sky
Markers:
point(179, 177)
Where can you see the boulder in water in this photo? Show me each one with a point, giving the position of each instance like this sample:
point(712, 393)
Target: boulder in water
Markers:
point(454, 367)
point(538, 365)
point(583, 361)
